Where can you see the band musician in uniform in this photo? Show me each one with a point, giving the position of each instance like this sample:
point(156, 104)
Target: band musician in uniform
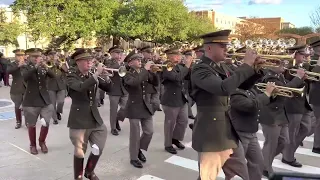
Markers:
point(139, 108)
point(57, 85)
point(174, 101)
point(213, 135)
point(246, 103)
point(147, 53)
point(273, 117)
point(85, 123)
point(299, 115)
point(36, 100)
point(314, 98)
point(118, 96)
point(18, 87)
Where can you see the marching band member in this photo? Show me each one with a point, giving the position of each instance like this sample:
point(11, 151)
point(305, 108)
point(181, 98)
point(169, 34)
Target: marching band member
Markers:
point(314, 97)
point(213, 135)
point(18, 87)
point(174, 101)
point(139, 107)
point(118, 95)
point(85, 123)
point(57, 85)
point(188, 54)
point(151, 89)
point(246, 103)
point(36, 100)
point(299, 115)
point(273, 118)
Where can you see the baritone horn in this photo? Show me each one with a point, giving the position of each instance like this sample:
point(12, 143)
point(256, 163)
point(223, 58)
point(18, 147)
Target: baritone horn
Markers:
point(159, 67)
point(310, 75)
point(282, 90)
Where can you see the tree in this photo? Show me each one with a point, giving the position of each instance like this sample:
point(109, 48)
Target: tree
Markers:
point(9, 31)
point(315, 17)
point(159, 21)
point(302, 34)
point(249, 30)
point(65, 21)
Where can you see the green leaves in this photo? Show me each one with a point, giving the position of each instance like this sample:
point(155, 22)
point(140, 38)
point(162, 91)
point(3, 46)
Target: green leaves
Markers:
point(64, 21)
point(9, 31)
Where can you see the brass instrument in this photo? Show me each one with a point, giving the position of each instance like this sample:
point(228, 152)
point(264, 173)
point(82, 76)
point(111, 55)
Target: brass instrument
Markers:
point(282, 90)
point(122, 71)
point(267, 57)
point(62, 61)
point(158, 67)
point(312, 62)
point(48, 64)
point(310, 75)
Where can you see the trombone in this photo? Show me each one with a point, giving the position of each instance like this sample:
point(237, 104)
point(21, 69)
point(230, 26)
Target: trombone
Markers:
point(282, 90)
point(310, 75)
point(158, 67)
point(266, 56)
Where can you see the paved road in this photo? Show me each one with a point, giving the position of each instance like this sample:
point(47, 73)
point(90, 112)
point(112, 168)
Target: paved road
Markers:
point(17, 164)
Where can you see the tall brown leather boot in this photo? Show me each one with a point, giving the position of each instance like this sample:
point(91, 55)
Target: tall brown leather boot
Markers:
point(78, 168)
point(32, 138)
point(42, 139)
point(18, 118)
point(91, 165)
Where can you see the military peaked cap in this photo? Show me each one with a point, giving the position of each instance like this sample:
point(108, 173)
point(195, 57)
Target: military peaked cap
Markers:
point(147, 49)
point(116, 49)
point(134, 54)
point(216, 37)
point(34, 52)
point(81, 54)
point(172, 51)
point(188, 52)
point(18, 52)
point(50, 52)
point(299, 48)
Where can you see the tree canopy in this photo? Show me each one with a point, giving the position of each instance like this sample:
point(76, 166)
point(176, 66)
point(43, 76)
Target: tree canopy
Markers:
point(9, 31)
point(64, 21)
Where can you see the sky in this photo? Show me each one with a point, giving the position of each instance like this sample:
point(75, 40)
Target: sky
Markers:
point(295, 11)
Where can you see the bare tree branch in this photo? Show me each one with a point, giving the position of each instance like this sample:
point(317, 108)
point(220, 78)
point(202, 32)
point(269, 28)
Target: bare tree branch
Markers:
point(315, 17)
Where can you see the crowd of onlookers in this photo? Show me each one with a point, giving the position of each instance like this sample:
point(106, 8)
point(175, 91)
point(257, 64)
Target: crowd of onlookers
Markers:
point(4, 76)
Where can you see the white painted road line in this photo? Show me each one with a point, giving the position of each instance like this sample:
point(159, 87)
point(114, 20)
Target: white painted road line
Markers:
point(191, 164)
point(300, 150)
point(149, 177)
point(307, 139)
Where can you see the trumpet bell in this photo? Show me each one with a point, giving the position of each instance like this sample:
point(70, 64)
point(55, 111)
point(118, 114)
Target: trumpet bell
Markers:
point(49, 64)
point(122, 71)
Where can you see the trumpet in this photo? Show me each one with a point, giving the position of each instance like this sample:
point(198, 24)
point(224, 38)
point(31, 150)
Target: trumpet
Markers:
point(282, 90)
point(122, 71)
point(310, 75)
point(158, 67)
point(62, 61)
point(48, 64)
